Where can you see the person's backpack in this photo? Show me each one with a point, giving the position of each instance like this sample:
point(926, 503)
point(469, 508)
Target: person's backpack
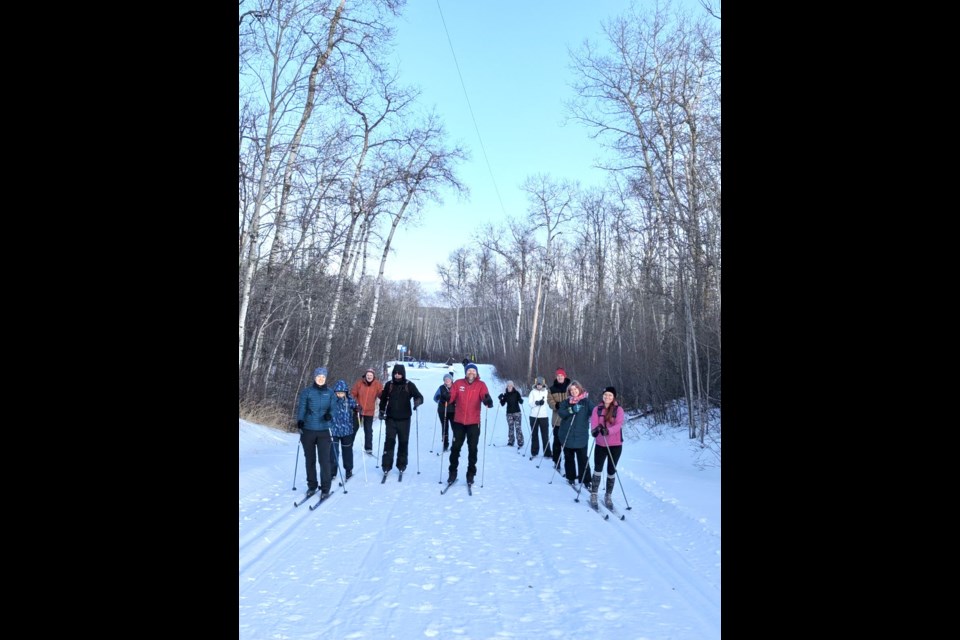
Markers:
point(388, 390)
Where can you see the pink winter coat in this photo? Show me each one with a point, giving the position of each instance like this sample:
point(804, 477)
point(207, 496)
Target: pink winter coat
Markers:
point(614, 435)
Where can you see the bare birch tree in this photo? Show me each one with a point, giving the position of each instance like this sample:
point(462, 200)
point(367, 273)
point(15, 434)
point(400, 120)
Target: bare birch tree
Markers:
point(550, 207)
point(652, 101)
point(425, 169)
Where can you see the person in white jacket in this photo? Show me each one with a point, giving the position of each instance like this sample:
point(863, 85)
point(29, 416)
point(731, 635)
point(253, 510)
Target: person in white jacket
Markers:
point(539, 417)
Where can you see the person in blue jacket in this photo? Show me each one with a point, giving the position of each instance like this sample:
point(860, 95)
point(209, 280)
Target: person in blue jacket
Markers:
point(314, 419)
point(344, 428)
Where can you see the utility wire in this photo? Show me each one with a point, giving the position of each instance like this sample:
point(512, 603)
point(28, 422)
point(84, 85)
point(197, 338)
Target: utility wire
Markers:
point(470, 108)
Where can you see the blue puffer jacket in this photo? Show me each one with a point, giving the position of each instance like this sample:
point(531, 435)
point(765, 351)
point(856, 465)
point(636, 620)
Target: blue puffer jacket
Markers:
point(344, 418)
point(576, 424)
point(313, 403)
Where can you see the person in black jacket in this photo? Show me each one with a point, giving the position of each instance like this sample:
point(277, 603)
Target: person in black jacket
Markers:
point(512, 398)
point(395, 409)
point(445, 410)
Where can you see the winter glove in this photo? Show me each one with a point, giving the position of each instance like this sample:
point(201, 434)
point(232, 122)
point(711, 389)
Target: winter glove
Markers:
point(574, 408)
point(539, 403)
point(417, 402)
point(300, 425)
point(500, 398)
point(595, 431)
point(604, 430)
point(444, 395)
point(381, 416)
point(487, 400)
point(327, 417)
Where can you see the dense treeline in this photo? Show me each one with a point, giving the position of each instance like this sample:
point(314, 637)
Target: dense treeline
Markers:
point(619, 283)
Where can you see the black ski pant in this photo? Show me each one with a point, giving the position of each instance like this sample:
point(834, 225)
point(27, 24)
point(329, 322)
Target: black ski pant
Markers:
point(575, 464)
point(470, 433)
point(398, 432)
point(542, 426)
point(316, 448)
point(368, 433)
point(610, 455)
point(344, 447)
point(557, 446)
point(446, 419)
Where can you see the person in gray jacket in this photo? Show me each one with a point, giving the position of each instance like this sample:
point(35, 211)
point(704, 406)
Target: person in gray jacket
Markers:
point(314, 419)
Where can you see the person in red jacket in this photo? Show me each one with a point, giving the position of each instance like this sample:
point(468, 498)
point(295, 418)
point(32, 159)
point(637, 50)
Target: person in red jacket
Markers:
point(467, 394)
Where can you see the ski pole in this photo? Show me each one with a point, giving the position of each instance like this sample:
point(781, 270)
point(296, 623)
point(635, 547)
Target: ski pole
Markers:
point(447, 426)
point(418, 439)
point(433, 438)
point(440, 481)
point(523, 445)
point(586, 469)
point(545, 447)
point(617, 474)
point(483, 466)
point(492, 443)
point(359, 427)
point(556, 467)
point(295, 462)
point(343, 483)
point(379, 436)
point(546, 442)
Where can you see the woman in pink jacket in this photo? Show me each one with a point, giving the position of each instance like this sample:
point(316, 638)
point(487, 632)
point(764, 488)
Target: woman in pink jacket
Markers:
point(606, 425)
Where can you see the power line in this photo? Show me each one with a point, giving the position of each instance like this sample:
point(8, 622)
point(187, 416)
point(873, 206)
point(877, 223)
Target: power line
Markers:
point(470, 108)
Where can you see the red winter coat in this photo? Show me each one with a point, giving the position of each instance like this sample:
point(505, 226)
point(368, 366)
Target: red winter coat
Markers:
point(468, 398)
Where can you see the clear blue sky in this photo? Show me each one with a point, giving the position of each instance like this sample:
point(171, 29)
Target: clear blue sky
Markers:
point(513, 57)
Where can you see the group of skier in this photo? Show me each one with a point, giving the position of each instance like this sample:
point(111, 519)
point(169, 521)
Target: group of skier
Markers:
point(329, 420)
point(574, 415)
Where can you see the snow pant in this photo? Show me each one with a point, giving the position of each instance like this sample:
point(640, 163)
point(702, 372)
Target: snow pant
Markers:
point(368, 433)
point(514, 429)
point(610, 455)
point(575, 464)
point(398, 432)
point(470, 433)
point(539, 425)
point(316, 449)
point(446, 419)
point(557, 446)
point(344, 447)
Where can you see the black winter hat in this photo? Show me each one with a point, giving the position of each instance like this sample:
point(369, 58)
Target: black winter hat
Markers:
point(399, 368)
point(611, 390)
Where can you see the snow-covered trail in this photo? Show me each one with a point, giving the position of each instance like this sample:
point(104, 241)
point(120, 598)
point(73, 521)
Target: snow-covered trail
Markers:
point(517, 559)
